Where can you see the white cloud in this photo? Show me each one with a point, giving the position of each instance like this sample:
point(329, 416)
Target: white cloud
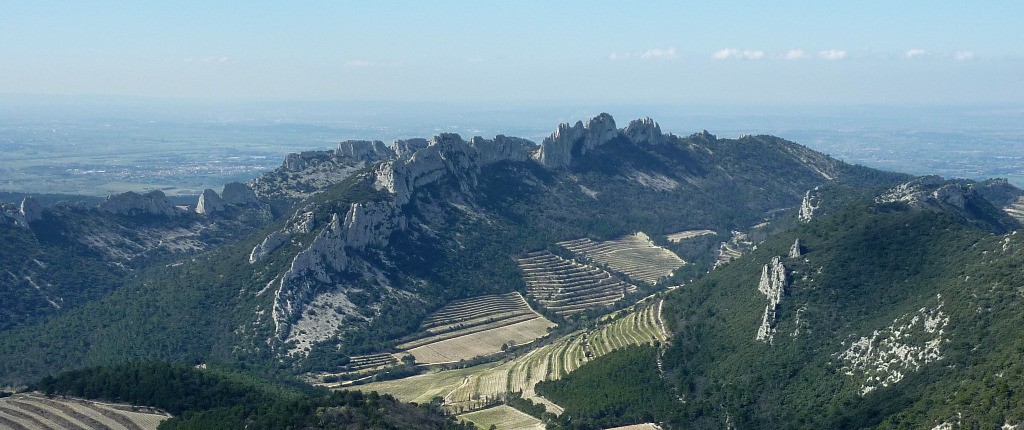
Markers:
point(796, 54)
point(963, 55)
point(914, 53)
point(832, 54)
point(617, 56)
point(727, 53)
point(659, 54)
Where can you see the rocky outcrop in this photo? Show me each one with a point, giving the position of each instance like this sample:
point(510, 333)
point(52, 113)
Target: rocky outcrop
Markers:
point(643, 131)
point(796, 251)
point(237, 193)
point(773, 285)
point(810, 203)
point(446, 153)
point(558, 150)
point(132, 203)
point(302, 222)
point(404, 148)
point(209, 202)
point(886, 356)
point(30, 210)
point(364, 150)
point(365, 224)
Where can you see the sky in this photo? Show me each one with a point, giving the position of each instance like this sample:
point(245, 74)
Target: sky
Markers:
point(662, 52)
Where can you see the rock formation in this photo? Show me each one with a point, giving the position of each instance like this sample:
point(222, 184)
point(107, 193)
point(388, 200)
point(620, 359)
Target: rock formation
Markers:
point(209, 202)
point(643, 131)
point(237, 193)
point(30, 209)
point(132, 203)
point(364, 150)
point(567, 141)
point(810, 204)
point(773, 285)
point(301, 223)
point(796, 251)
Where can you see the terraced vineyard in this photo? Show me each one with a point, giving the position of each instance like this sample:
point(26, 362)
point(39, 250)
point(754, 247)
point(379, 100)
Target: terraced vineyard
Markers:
point(568, 287)
point(35, 411)
point(360, 367)
point(634, 255)
point(473, 388)
point(688, 234)
point(475, 327)
point(502, 417)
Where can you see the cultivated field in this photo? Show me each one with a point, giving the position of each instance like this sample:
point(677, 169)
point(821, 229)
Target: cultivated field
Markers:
point(645, 426)
point(568, 287)
point(35, 411)
point(635, 255)
point(502, 417)
point(475, 387)
point(475, 327)
point(688, 234)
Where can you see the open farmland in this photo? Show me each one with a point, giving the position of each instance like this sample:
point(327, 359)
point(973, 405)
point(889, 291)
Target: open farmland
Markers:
point(35, 411)
point(502, 417)
point(568, 287)
point(476, 327)
point(688, 234)
point(477, 387)
point(634, 255)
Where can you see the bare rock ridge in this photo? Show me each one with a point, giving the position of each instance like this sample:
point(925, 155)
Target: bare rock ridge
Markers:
point(364, 224)
point(237, 193)
point(796, 251)
point(927, 192)
point(643, 131)
point(773, 285)
point(132, 203)
point(30, 209)
point(209, 202)
point(446, 153)
point(364, 150)
point(302, 222)
point(558, 150)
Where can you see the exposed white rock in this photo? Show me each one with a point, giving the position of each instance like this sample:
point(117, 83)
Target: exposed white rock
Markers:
point(403, 148)
point(810, 204)
point(237, 193)
point(209, 202)
point(302, 222)
point(364, 150)
point(364, 224)
point(653, 180)
point(643, 131)
point(886, 356)
point(132, 203)
point(567, 141)
point(446, 153)
point(915, 193)
point(773, 285)
point(30, 209)
point(796, 251)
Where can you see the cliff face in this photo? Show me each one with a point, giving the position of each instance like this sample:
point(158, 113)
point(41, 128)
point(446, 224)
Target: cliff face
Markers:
point(557, 151)
point(132, 203)
point(209, 202)
point(773, 285)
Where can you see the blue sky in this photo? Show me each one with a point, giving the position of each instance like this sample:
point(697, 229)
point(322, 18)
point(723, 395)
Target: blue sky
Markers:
point(673, 52)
